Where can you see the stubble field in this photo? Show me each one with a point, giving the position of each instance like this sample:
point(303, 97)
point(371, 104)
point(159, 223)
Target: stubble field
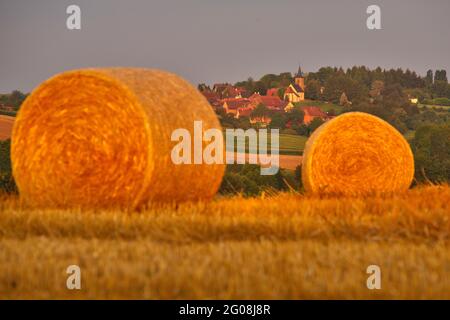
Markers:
point(288, 246)
point(6, 124)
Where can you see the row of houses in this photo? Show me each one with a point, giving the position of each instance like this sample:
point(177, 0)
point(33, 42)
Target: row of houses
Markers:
point(240, 103)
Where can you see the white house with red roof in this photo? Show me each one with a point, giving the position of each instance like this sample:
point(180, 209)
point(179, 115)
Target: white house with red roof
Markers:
point(273, 103)
point(296, 91)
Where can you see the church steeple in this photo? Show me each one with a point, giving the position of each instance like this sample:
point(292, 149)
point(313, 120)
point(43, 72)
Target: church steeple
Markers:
point(299, 72)
point(299, 79)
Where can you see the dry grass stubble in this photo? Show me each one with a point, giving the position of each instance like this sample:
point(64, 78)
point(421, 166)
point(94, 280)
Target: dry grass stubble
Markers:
point(288, 246)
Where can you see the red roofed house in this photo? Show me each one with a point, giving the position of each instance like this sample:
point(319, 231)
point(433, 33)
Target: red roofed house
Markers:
point(273, 103)
point(244, 112)
point(226, 90)
point(212, 97)
point(313, 112)
point(232, 105)
point(241, 91)
point(219, 87)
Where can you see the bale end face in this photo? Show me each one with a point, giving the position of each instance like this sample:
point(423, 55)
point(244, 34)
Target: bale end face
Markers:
point(357, 154)
point(101, 138)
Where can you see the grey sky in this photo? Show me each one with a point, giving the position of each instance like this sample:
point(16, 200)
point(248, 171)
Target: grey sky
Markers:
point(217, 40)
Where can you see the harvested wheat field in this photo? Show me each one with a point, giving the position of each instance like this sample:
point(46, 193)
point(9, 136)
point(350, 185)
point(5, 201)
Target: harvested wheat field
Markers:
point(288, 246)
point(6, 124)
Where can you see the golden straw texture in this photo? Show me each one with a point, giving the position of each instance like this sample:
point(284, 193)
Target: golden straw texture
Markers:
point(357, 154)
point(102, 138)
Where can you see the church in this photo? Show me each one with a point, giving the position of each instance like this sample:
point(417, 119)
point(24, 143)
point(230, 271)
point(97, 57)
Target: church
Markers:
point(296, 91)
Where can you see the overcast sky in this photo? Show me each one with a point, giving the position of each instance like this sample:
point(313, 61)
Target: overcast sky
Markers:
point(217, 40)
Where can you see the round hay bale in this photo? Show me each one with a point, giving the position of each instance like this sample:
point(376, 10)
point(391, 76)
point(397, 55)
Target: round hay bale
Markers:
point(357, 154)
point(102, 138)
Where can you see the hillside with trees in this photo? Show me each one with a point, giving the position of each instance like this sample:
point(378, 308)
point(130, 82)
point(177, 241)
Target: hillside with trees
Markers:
point(11, 102)
point(419, 107)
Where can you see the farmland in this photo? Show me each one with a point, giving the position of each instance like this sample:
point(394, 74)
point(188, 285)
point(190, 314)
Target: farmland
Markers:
point(6, 124)
point(289, 144)
point(292, 144)
point(290, 246)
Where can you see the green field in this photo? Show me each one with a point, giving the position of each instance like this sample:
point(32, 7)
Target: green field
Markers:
point(290, 144)
point(434, 107)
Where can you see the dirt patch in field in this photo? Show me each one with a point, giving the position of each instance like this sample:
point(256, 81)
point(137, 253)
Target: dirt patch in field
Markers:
point(6, 124)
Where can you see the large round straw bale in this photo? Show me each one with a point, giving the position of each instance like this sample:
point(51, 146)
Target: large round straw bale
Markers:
point(102, 137)
point(357, 154)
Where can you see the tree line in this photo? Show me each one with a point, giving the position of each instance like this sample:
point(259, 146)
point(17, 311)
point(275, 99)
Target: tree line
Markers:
point(13, 99)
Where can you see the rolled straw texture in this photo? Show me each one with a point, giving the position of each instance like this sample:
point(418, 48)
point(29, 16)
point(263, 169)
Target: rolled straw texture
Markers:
point(357, 154)
point(102, 138)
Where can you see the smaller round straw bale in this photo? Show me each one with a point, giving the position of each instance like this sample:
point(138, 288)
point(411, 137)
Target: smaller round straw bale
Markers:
point(357, 154)
point(102, 138)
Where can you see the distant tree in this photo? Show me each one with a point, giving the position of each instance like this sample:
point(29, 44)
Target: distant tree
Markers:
point(248, 85)
point(440, 75)
point(339, 83)
point(202, 87)
point(303, 130)
point(278, 121)
point(260, 111)
point(317, 122)
point(7, 183)
point(243, 123)
point(323, 74)
point(280, 93)
point(266, 82)
point(430, 116)
point(17, 98)
point(248, 181)
point(261, 88)
point(14, 99)
point(312, 90)
point(440, 89)
point(431, 147)
point(429, 78)
point(394, 97)
point(295, 116)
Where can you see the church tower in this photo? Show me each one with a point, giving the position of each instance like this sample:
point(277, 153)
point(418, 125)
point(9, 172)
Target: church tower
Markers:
point(299, 79)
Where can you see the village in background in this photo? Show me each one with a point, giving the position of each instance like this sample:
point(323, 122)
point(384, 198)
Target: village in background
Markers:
point(297, 104)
